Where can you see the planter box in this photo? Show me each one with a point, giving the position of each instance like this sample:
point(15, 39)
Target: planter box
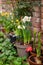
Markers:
point(36, 14)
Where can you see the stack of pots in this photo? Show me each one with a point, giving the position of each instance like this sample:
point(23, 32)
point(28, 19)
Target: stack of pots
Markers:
point(36, 19)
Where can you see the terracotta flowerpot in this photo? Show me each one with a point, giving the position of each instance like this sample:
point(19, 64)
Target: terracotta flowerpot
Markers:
point(42, 9)
point(36, 9)
point(21, 49)
point(31, 60)
point(36, 14)
point(41, 15)
point(34, 53)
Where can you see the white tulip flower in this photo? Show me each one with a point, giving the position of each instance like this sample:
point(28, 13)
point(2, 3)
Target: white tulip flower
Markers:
point(26, 18)
point(19, 27)
point(23, 27)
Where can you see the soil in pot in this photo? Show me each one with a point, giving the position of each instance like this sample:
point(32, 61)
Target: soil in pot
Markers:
point(32, 60)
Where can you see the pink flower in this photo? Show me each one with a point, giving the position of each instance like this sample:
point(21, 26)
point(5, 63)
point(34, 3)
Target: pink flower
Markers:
point(29, 49)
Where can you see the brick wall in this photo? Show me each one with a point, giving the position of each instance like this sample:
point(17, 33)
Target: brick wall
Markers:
point(6, 6)
point(0, 5)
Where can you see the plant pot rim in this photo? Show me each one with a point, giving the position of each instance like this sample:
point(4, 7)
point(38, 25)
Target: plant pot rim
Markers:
point(33, 53)
point(21, 46)
point(32, 61)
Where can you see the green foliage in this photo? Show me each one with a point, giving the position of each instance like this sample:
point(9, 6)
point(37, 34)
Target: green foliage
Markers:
point(38, 49)
point(2, 37)
point(24, 32)
point(23, 9)
point(8, 52)
point(8, 55)
point(20, 61)
point(7, 22)
point(1, 34)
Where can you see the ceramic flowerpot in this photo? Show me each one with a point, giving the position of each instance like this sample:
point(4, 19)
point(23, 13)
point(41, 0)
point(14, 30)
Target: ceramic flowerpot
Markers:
point(21, 49)
point(36, 14)
point(34, 53)
point(36, 9)
point(31, 60)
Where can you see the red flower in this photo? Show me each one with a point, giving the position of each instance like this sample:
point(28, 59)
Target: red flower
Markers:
point(29, 48)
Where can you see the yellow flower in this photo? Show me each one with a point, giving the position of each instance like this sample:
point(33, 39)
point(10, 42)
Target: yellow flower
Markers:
point(2, 14)
point(5, 14)
point(12, 21)
point(17, 20)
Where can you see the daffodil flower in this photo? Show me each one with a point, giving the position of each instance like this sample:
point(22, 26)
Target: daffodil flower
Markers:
point(26, 19)
point(19, 27)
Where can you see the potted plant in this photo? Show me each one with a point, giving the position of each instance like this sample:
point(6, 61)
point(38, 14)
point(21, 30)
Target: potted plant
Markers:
point(25, 36)
point(37, 59)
